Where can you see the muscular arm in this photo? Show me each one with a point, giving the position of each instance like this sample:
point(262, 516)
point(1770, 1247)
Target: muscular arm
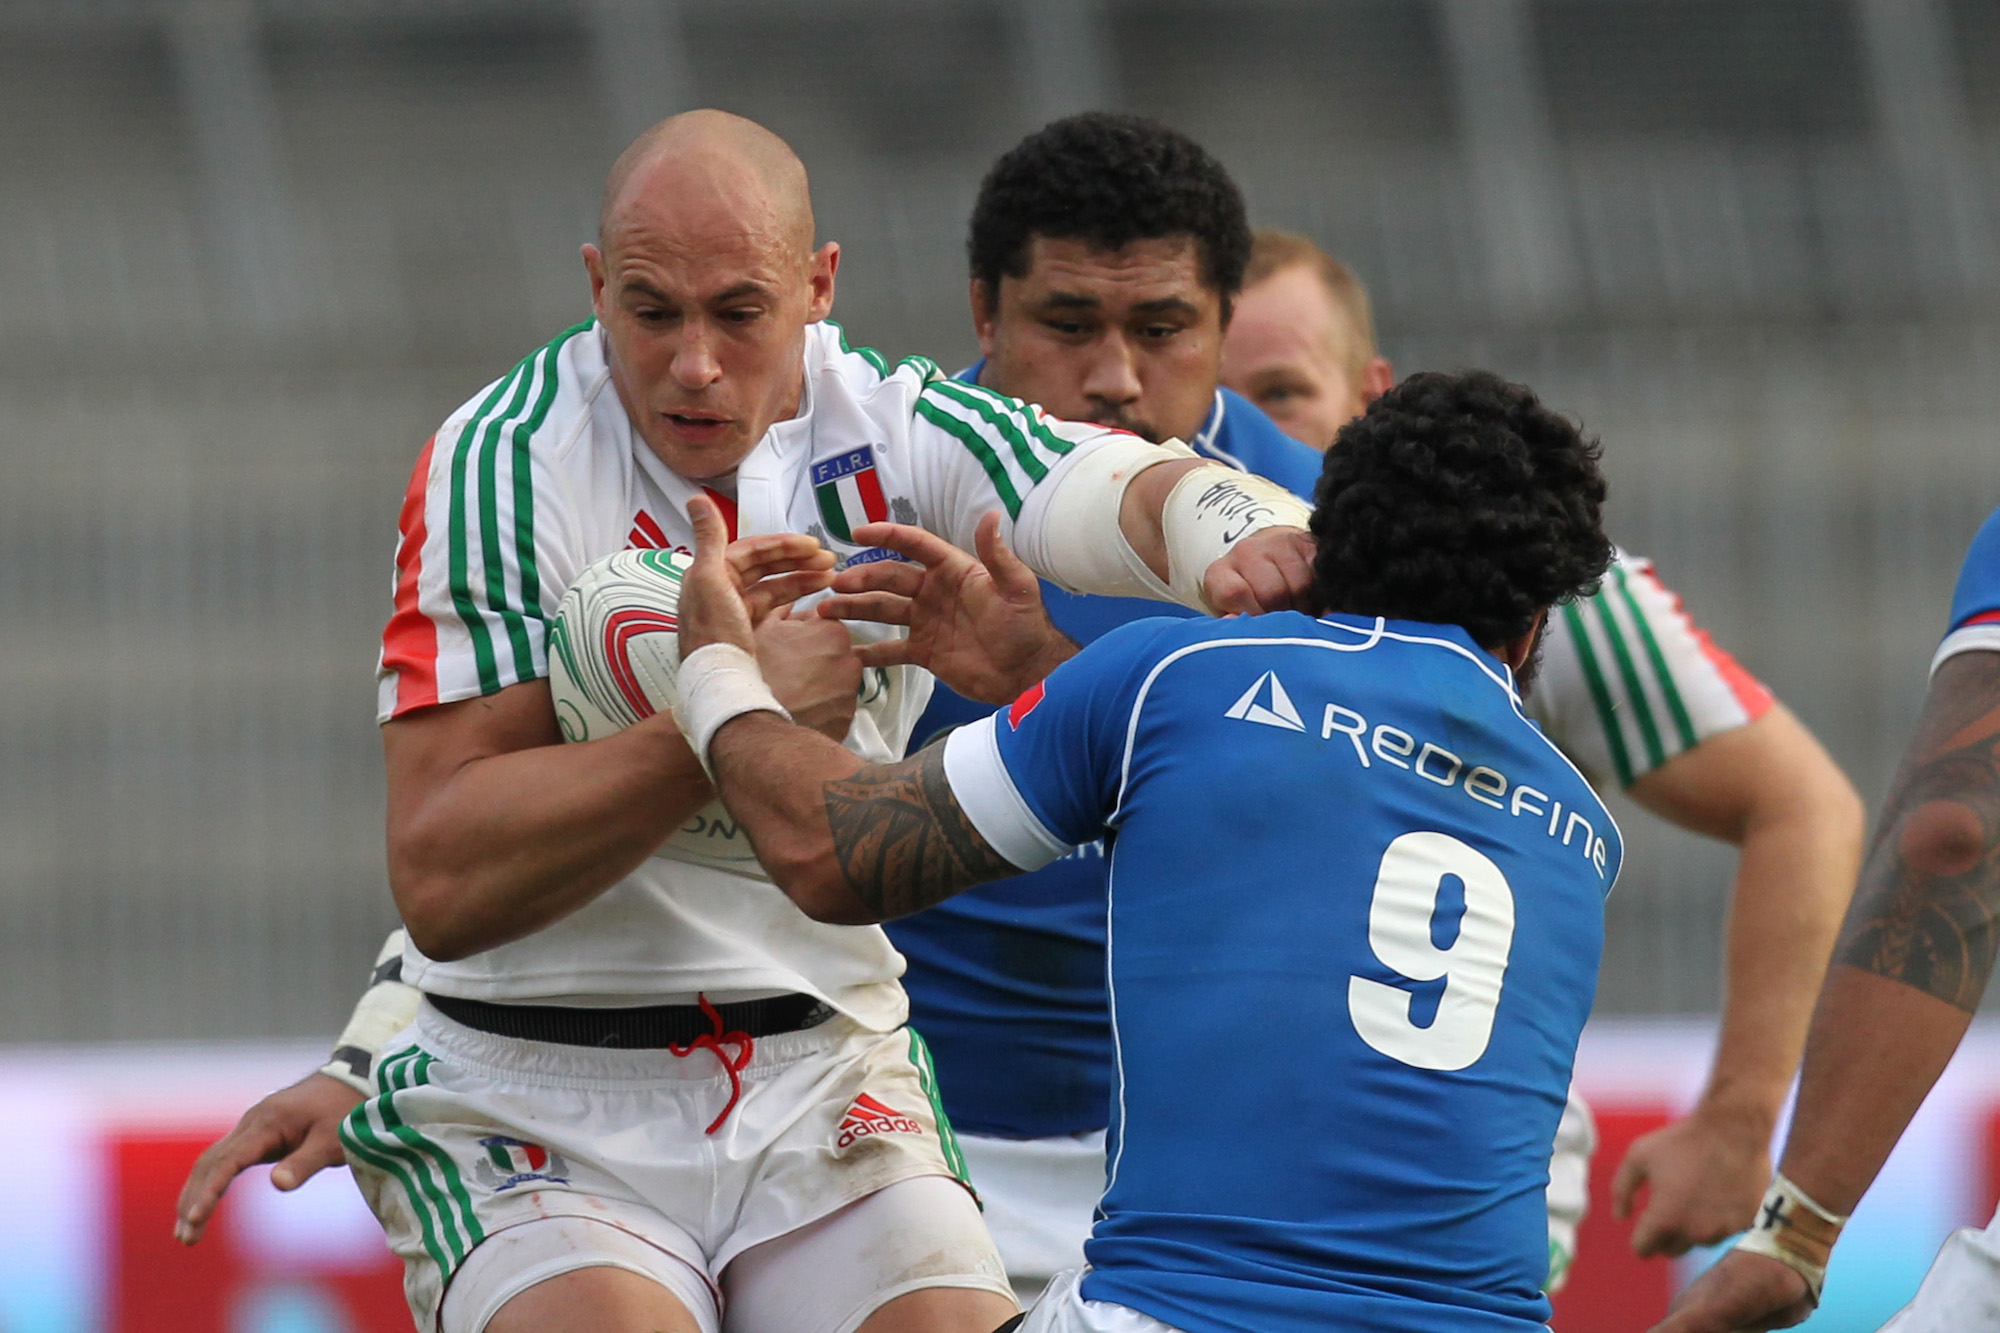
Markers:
point(1773, 791)
point(497, 828)
point(1917, 948)
point(1912, 961)
point(849, 842)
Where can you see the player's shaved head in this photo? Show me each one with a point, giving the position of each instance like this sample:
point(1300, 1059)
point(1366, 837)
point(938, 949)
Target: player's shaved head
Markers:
point(704, 167)
point(704, 278)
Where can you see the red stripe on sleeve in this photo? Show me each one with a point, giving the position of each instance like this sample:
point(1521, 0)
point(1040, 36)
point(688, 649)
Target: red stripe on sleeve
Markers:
point(1983, 618)
point(410, 642)
point(1752, 694)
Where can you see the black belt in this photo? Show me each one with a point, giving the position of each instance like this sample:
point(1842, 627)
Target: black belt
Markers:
point(654, 1027)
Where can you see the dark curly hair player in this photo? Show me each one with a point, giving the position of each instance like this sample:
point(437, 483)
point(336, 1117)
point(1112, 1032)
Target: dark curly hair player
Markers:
point(1352, 883)
point(1109, 179)
point(1459, 500)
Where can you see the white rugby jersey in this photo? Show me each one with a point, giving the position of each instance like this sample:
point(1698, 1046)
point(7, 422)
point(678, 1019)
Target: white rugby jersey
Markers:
point(1629, 680)
point(541, 474)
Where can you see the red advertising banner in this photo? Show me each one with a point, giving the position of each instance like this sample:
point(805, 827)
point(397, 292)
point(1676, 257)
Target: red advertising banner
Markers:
point(234, 1278)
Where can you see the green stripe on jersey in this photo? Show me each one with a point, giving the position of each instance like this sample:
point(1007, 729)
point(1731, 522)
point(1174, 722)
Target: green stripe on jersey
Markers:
point(455, 541)
point(1635, 689)
point(482, 437)
point(968, 435)
point(1600, 695)
point(868, 354)
point(996, 412)
point(1024, 417)
point(1668, 689)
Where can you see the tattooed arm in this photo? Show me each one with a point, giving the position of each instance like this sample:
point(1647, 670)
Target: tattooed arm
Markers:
point(1913, 960)
point(1917, 947)
point(849, 842)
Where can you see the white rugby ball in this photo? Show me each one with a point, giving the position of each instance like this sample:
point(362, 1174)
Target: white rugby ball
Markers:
point(614, 660)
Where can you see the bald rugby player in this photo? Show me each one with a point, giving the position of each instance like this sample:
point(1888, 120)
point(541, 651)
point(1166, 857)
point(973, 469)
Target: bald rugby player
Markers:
point(1635, 693)
point(622, 1103)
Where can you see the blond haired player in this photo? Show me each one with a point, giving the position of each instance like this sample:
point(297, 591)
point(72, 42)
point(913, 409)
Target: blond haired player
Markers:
point(1635, 692)
point(622, 1104)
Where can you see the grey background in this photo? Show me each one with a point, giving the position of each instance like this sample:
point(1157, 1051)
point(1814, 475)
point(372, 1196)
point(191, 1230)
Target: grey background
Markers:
point(252, 253)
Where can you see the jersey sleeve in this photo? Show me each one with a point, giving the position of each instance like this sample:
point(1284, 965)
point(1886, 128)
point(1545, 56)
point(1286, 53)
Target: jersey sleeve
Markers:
point(1629, 680)
point(1975, 604)
point(1042, 775)
point(975, 451)
point(480, 561)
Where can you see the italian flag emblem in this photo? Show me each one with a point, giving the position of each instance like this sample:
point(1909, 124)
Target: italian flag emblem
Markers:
point(848, 492)
point(513, 1157)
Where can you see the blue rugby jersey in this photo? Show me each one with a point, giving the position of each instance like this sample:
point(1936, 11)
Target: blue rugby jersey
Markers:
point(1975, 604)
point(1007, 986)
point(1355, 915)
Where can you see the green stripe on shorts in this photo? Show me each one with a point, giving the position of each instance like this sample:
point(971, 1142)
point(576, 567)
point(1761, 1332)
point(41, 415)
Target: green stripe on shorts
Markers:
point(954, 1158)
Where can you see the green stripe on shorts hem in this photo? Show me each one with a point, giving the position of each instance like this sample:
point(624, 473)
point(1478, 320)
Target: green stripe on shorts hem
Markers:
point(954, 1157)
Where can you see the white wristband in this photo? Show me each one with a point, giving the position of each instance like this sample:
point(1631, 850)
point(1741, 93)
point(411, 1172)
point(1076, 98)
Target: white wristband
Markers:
point(387, 1007)
point(1795, 1231)
point(1210, 510)
point(718, 682)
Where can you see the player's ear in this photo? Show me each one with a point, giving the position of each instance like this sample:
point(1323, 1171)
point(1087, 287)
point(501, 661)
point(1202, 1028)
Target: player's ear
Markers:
point(985, 313)
point(1377, 378)
point(825, 264)
point(1518, 652)
point(593, 264)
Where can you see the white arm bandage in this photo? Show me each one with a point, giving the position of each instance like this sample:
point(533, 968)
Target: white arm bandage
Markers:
point(387, 1007)
point(1210, 510)
point(1083, 546)
point(1080, 550)
point(1795, 1231)
point(719, 681)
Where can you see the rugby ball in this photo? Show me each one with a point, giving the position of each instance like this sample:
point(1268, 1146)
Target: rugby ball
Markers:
point(614, 660)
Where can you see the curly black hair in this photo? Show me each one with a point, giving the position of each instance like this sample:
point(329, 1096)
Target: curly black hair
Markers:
point(1108, 179)
point(1459, 500)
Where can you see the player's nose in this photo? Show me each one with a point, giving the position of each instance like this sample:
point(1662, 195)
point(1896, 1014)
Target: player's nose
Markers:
point(694, 364)
point(1111, 376)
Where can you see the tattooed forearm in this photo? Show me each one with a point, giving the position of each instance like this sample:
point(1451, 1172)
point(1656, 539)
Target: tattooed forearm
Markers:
point(902, 840)
point(1927, 912)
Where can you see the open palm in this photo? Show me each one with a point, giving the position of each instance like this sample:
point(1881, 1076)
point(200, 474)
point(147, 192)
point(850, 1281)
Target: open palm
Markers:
point(976, 623)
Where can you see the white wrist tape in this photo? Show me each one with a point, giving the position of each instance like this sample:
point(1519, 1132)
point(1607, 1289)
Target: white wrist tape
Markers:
point(1795, 1231)
point(1210, 510)
point(1083, 549)
point(387, 1007)
point(719, 682)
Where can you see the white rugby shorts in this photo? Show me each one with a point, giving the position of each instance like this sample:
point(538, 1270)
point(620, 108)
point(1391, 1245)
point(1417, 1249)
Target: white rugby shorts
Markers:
point(1062, 1309)
point(1569, 1186)
point(471, 1134)
point(1040, 1196)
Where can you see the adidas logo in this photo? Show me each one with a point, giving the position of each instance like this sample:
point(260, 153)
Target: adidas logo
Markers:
point(1267, 703)
point(868, 1116)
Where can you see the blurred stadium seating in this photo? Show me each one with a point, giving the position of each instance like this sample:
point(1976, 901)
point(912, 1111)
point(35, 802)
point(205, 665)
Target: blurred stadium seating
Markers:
point(251, 253)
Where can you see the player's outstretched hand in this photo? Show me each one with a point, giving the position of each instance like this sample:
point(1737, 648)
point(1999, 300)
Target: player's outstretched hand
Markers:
point(1704, 1177)
point(296, 1127)
point(977, 624)
point(1743, 1291)
point(732, 586)
point(1270, 570)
